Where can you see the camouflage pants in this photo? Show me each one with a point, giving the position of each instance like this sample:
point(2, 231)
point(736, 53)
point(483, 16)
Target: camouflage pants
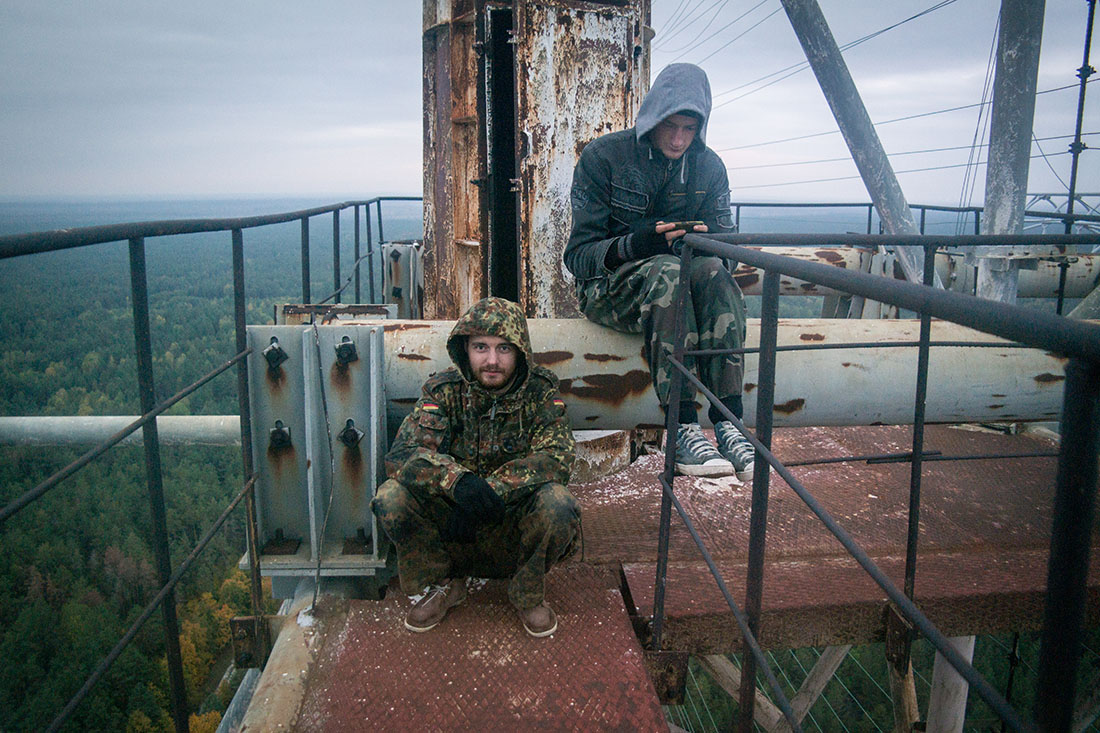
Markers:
point(640, 297)
point(536, 533)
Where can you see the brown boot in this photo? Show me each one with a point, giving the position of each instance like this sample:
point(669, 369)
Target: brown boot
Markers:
point(430, 610)
point(539, 621)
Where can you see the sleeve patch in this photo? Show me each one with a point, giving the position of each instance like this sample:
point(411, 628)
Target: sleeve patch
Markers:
point(429, 407)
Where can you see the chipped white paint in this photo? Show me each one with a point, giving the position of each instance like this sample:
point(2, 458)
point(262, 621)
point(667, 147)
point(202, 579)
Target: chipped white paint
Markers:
point(605, 380)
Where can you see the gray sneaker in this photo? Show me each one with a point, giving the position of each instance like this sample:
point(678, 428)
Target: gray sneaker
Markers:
point(736, 448)
point(696, 456)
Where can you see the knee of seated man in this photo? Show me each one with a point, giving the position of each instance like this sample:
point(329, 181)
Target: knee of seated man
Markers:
point(554, 504)
point(705, 268)
point(390, 499)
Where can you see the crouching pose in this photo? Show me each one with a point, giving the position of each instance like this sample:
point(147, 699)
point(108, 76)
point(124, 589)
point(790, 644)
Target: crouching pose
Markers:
point(478, 474)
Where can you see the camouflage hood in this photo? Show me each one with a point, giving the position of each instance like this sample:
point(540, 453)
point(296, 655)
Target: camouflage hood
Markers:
point(492, 317)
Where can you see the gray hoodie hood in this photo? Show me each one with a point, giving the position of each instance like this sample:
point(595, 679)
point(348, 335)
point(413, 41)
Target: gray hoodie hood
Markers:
point(678, 88)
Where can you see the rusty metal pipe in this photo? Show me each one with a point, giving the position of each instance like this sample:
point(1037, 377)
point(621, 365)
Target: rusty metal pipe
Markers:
point(606, 382)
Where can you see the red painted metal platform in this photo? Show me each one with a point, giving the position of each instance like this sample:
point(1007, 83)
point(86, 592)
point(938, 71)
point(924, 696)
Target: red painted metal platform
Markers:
point(479, 670)
point(984, 534)
point(982, 550)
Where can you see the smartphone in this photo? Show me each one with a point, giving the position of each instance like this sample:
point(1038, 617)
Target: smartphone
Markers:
point(685, 225)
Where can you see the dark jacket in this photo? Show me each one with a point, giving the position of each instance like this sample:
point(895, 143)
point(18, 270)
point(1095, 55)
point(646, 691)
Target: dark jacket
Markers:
point(516, 441)
point(622, 179)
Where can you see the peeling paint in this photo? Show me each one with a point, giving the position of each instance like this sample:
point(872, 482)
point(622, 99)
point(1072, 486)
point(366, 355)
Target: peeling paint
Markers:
point(790, 406)
point(607, 388)
point(548, 358)
point(1049, 378)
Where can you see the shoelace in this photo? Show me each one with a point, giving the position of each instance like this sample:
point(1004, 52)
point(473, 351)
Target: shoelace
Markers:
point(691, 438)
point(739, 445)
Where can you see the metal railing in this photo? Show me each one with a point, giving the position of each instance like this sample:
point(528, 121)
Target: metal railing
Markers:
point(1077, 466)
point(1067, 220)
point(136, 234)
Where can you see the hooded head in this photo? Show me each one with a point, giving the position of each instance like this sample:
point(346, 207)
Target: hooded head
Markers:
point(678, 89)
point(495, 317)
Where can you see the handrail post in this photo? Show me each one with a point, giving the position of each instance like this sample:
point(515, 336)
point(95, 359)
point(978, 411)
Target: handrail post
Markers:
point(1067, 570)
point(758, 520)
point(358, 299)
point(672, 423)
point(336, 255)
point(919, 404)
point(144, 354)
point(305, 260)
point(245, 405)
point(370, 254)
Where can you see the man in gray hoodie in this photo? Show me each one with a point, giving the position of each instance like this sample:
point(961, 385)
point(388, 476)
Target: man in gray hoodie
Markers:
point(630, 190)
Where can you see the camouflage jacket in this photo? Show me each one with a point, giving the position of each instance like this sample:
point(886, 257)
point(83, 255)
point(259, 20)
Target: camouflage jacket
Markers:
point(517, 441)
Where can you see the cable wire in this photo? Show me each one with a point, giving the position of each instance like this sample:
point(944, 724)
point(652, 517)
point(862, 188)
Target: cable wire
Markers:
point(695, 43)
point(883, 122)
point(971, 176)
point(850, 178)
point(802, 66)
point(727, 25)
point(688, 22)
point(742, 35)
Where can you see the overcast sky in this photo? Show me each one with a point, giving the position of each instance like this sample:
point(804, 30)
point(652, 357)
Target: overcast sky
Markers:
point(150, 98)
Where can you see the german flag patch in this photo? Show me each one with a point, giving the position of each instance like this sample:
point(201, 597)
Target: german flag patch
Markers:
point(559, 402)
point(429, 407)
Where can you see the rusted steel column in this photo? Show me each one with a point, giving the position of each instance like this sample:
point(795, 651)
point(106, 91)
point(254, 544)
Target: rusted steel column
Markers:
point(1021, 24)
point(859, 133)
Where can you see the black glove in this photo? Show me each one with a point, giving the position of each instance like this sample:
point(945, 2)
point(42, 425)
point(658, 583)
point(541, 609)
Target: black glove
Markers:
point(644, 241)
point(460, 527)
point(476, 497)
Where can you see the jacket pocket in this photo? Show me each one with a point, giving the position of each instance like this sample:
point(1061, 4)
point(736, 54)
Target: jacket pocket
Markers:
point(627, 204)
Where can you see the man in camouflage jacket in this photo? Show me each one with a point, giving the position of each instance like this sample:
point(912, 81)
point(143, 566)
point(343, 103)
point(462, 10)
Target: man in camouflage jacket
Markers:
point(478, 474)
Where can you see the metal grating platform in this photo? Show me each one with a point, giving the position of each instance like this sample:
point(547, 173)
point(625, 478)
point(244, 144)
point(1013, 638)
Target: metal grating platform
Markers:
point(982, 551)
point(479, 670)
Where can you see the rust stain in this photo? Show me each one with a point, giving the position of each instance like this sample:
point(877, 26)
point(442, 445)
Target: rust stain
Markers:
point(592, 418)
point(995, 407)
point(280, 457)
point(998, 396)
point(812, 336)
point(748, 387)
point(546, 358)
point(831, 256)
point(340, 376)
point(610, 389)
point(404, 327)
point(1048, 378)
point(604, 357)
point(791, 406)
point(276, 378)
point(746, 281)
point(846, 363)
point(414, 357)
point(353, 468)
point(808, 287)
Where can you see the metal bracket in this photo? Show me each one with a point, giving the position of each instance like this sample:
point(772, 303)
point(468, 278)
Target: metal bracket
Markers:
point(899, 638)
point(251, 641)
point(668, 671)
